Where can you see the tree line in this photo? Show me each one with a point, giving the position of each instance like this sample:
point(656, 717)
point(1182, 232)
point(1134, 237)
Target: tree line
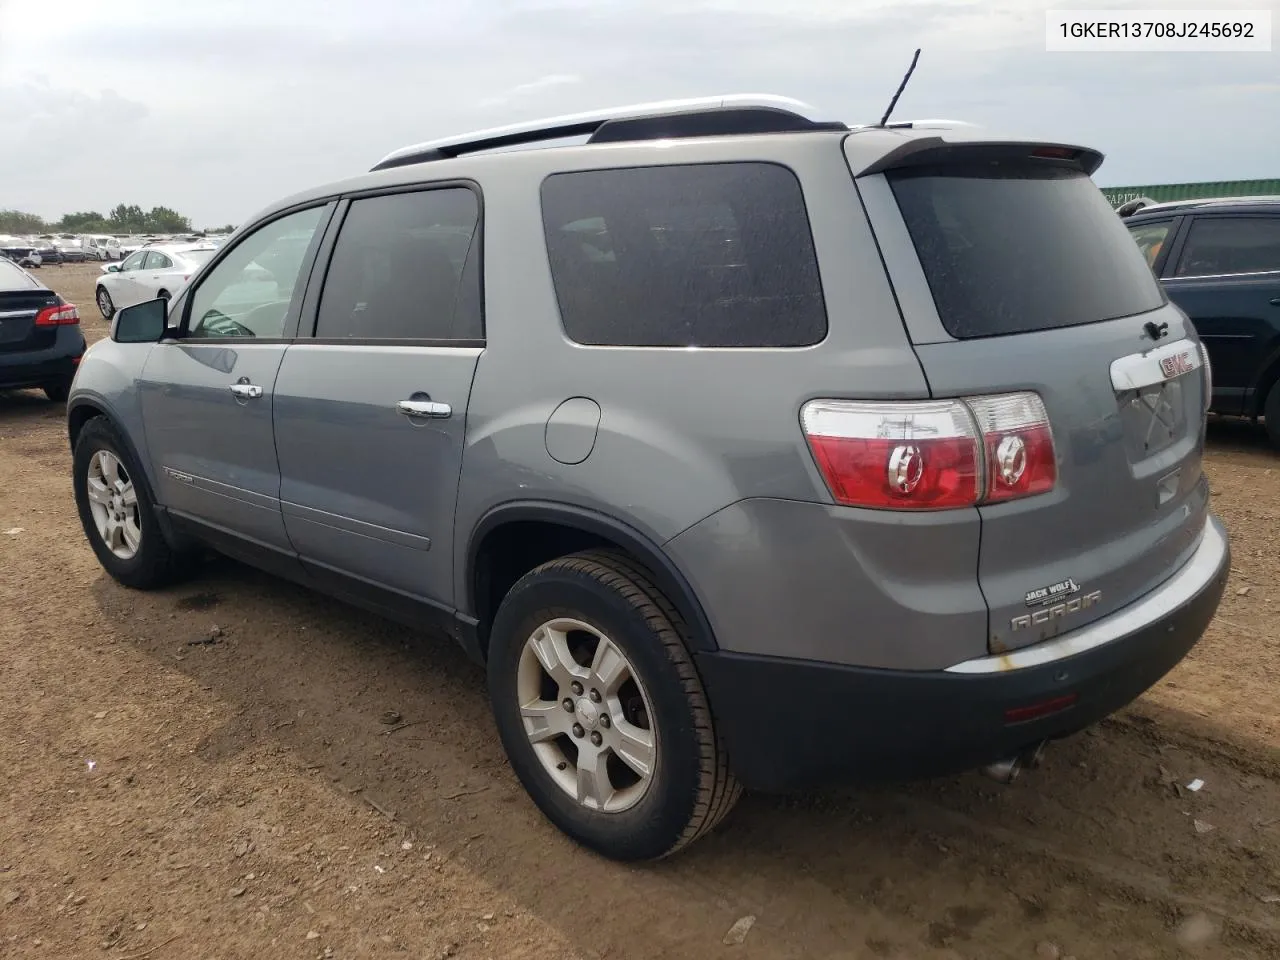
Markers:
point(125, 218)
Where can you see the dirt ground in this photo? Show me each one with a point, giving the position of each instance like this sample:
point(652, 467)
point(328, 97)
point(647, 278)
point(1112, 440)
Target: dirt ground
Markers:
point(169, 799)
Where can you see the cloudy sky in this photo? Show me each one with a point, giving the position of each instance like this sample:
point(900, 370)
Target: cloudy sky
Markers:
point(219, 107)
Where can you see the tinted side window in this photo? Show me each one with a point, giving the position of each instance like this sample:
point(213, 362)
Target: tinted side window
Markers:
point(405, 266)
point(249, 292)
point(1150, 238)
point(133, 261)
point(157, 261)
point(1218, 245)
point(708, 255)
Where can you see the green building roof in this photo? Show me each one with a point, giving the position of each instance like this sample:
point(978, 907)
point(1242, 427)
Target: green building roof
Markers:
point(1163, 193)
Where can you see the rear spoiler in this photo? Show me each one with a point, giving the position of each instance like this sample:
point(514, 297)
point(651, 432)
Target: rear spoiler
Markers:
point(934, 151)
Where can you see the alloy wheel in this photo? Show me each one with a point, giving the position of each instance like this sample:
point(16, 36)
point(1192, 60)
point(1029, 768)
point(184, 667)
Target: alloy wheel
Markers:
point(113, 501)
point(587, 715)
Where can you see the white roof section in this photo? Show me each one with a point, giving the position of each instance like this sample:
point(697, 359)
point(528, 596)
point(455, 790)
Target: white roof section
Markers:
point(178, 247)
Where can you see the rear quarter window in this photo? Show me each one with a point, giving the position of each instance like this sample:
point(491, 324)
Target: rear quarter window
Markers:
point(1019, 249)
point(706, 255)
point(1151, 238)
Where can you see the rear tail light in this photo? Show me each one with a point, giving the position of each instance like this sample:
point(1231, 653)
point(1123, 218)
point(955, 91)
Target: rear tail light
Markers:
point(1019, 447)
point(1208, 377)
point(932, 455)
point(65, 315)
point(897, 455)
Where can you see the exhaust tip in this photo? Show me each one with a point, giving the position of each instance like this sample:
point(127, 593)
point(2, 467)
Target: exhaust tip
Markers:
point(1007, 770)
point(1003, 771)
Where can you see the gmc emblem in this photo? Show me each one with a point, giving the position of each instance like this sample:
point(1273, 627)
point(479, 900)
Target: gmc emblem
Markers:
point(1176, 365)
point(1056, 611)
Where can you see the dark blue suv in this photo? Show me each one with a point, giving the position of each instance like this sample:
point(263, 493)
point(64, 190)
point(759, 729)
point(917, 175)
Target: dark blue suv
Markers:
point(1219, 260)
point(41, 342)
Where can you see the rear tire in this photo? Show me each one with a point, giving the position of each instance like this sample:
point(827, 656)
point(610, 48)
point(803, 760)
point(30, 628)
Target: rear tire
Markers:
point(139, 556)
point(1271, 414)
point(634, 770)
point(58, 390)
point(106, 306)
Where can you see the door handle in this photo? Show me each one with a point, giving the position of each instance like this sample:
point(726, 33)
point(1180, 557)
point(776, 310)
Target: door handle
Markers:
point(425, 409)
point(246, 391)
point(1274, 301)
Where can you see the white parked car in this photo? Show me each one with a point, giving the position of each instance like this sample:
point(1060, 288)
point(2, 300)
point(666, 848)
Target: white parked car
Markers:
point(160, 270)
point(102, 247)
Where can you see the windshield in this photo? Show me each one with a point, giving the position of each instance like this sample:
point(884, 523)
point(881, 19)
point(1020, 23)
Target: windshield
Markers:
point(1015, 250)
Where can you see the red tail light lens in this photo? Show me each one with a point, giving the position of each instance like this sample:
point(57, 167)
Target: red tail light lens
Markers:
point(1020, 457)
point(932, 455)
point(65, 315)
point(1208, 377)
point(900, 456)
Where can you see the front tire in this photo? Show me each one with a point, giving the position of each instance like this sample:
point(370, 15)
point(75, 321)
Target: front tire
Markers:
point(601, 711)
point(118, 513)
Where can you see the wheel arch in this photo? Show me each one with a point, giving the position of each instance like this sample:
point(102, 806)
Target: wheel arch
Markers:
point(80, 412)
point(541, 531)
point(86, 408)
point(83, 409)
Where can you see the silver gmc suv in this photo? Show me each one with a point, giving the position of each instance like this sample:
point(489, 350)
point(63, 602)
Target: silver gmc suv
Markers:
point(744, 448)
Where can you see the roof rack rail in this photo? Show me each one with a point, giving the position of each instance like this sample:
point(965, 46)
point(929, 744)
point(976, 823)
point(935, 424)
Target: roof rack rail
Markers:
point(698, 116)
point(1161, 205)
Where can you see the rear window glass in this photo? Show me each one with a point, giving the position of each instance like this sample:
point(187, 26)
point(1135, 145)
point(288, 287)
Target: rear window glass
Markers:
point(1017, 250)
point(405, 267)
point(199, 256)
point(12, 278)
point(708, 255)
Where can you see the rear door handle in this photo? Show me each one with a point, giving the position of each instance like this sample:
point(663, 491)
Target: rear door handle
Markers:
point(425, 409)
point(246, 391)
point(1275, 301)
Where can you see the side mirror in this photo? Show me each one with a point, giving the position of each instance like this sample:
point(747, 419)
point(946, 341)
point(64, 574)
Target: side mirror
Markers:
point(113, 268)
point(141, 323)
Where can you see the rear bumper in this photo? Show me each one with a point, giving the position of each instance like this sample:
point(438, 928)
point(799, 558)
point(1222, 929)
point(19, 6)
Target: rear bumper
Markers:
point(34, 368)
point(793, 724)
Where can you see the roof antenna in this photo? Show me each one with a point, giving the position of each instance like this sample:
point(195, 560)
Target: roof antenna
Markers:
point(902, 86)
